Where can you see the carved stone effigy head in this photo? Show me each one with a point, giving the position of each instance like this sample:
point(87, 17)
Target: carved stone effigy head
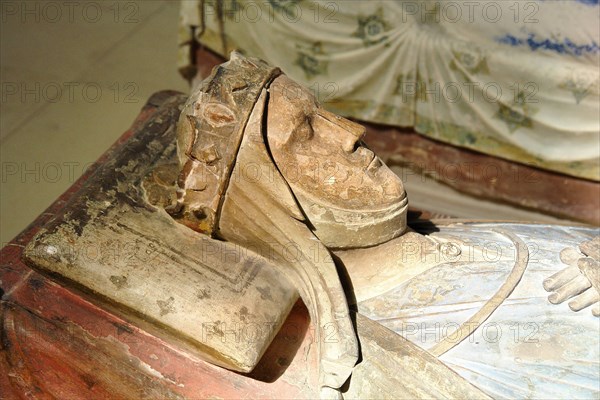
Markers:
point(349, 196)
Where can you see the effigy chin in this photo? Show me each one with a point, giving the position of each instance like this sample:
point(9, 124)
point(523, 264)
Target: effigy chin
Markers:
point(245, 243)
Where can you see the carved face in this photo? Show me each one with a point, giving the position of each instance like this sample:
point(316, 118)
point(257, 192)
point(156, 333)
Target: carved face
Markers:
point(342, 186)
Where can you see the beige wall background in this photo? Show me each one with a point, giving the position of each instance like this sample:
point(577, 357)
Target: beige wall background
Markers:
point(74, 77)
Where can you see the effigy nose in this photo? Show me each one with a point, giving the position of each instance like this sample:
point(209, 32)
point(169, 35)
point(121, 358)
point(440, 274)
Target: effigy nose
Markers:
point(347, 132)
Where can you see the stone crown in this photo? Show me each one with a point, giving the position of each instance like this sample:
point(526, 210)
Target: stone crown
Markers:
point(209, 133)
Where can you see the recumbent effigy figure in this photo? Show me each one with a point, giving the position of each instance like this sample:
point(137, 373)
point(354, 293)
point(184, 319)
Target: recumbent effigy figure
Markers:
point(317, 178)
point(260, 167)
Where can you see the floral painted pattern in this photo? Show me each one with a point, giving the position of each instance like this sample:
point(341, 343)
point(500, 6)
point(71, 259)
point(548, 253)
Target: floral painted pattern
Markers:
point(581, 85)
point(312, 60)
point(372, 28)
point(518, 114)
point(471, 60)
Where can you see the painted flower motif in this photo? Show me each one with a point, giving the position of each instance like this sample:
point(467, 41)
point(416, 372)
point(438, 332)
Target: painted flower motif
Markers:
point(471, 59)
point(518, 114)
point(580, 85)
point(309, 61)
point(372, 28)
point(469, 138)
point(513, 117)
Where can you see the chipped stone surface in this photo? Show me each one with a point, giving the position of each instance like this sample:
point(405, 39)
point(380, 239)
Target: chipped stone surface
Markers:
point(209, 133)
point(115, 241)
